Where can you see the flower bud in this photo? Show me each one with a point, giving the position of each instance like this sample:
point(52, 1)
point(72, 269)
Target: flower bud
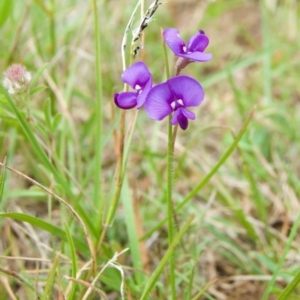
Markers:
point(16, 79)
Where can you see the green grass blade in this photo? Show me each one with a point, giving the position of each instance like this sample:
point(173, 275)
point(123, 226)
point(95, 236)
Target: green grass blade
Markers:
point(54, 230)
point(288, 246)
point(36, 77)
point(98, 108)
point(132, 229)
point(2, 178)
point(165, 259)
point(202, 291)
point(285, 294)
point(214, 170)
point(188, 294)
point(6, 8)
point(74, 261)
point(51, 279)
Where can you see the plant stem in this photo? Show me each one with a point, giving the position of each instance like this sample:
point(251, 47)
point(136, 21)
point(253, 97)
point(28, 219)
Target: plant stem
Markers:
point(120, 174)
point(98, 139)
point(170, 206)
point(169, 187)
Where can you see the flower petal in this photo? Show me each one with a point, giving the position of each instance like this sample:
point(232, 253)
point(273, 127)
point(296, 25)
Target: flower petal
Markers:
point(198, 42)
point(187, 89)
point(197, 56)
point(144, 93)
point(157, 102)
point(136, 75)
point(190, 115)
point(180, 118)
point(126, 100)
point(174, 41)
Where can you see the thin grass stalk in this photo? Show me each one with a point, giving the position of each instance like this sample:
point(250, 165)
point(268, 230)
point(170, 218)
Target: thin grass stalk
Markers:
point(52, 33)
point(267, 62)
point(119, 181)
point(98, 199)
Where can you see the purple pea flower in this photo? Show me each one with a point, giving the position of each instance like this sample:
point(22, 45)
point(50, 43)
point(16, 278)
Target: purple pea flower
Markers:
point(140, 79)
point(174, 95)
point(191, 52)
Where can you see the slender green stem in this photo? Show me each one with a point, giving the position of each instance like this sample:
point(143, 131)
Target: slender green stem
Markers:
point(169, 189)
point(98, 139)
point(52, 32)
point(170, 206)
point(26, 102)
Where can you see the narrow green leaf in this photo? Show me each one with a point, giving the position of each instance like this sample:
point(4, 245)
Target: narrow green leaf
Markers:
point(4, 115)
point(52, 229)
point(36, 77)
point(202, 291)
point(38, 89)
point(132, 229)
point(287, 247)
point(74, 262)
point(188, 294)
point(50, 280)
point(55, 122)
point(151, 282)
point(285, 294)
point(2, 178)
point(5, 105)
point(47, 112)
point(6, 8)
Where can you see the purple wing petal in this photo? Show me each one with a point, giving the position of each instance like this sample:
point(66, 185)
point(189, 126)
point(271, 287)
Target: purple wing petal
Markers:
point(144, 93)
point(190, 115)
point(174, 41)
point(137, 75)
point(187, 89)
point(198, 42)
point(126, 100)
point(180, 118)
point(157, 102)
point(197, 56)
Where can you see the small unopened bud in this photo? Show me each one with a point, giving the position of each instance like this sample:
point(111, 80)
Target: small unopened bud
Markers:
point(16, 79)
point(181, 64)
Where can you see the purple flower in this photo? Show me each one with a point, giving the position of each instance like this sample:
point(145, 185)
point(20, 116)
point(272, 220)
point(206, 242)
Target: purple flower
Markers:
point(193, 51)
point(174, 95)
point(140, 79)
